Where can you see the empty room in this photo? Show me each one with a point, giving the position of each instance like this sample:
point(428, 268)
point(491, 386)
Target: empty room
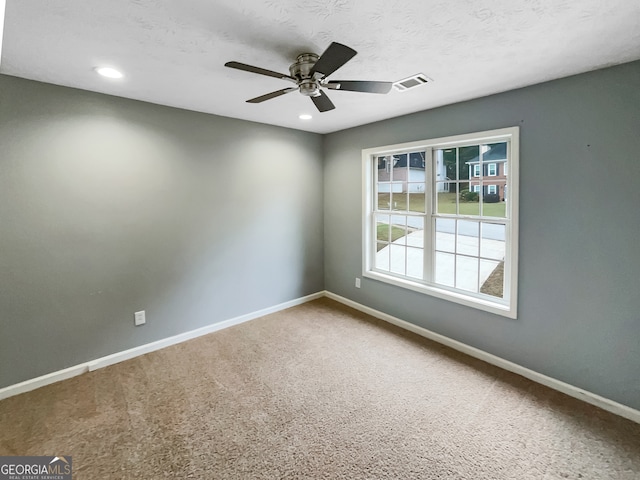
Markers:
point(319, 239)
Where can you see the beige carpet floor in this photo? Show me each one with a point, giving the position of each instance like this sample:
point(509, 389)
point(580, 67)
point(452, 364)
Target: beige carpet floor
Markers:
point(316, 391)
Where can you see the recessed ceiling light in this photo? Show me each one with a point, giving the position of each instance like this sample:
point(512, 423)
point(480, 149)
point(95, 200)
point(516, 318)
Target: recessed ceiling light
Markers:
point(108, 72)
point(305, 116)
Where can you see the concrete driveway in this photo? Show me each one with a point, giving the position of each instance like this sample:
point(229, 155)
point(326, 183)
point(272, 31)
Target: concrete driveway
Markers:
point(470, 273)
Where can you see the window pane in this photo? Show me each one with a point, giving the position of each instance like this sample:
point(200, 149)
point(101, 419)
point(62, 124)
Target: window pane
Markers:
point(416, 169)
point(493, 158)
point(417, 160)
point(382, 257)
point(467, 273)
point(399, 170)
point(494, 151)
point(415, 262)
point(382, 228)
point(446, 235)
point(415, 232)
point(492, 278)
point(384, 197)
point(446, 187)
point(446, 200)
point(467, 157)
point(398, 198)
point(416, 197)
point(492, 243)
point(469, 198)
point(445, 267)
point(383, 170)
point(493, 204)
point(467, 238)
point(446, 164)
point(398, 229)
point(398, 258)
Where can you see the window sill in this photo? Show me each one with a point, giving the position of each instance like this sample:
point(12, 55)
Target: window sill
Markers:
point(441, 292)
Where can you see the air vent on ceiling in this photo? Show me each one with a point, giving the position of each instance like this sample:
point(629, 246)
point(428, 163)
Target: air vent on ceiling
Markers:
point(411, 82)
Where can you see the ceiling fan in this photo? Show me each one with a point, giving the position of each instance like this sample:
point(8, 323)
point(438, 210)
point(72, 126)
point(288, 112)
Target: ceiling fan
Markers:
point(310, 73)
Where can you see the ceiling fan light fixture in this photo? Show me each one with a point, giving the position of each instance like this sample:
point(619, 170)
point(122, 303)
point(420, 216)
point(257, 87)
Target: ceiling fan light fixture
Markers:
point(108, 72)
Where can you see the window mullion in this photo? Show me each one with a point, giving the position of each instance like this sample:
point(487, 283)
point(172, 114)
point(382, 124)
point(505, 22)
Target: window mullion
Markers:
point(478, 254)
point(429, 222)
point(457, 181)
point(373, 220)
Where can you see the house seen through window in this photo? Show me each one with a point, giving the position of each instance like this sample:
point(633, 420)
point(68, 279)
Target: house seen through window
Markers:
point(441, 218)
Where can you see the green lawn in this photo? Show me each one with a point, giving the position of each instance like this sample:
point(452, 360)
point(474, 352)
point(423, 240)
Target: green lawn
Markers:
point(446, 204)
point(382, 233)
point(416, 201)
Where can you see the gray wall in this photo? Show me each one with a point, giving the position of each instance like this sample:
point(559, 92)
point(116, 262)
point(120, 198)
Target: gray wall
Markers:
point(579, 308)
point(109, 206)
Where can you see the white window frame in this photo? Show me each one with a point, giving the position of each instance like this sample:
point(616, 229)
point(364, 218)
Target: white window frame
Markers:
point(506, 306)
point(476, 170)
point(476, 188)
point(492, 189)
point(494, 167)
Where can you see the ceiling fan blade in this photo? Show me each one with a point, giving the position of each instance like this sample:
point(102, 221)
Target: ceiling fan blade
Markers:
point(258, 70)
point(359, 86)
point(323, 103)
point(271, 95)
point(335, 56)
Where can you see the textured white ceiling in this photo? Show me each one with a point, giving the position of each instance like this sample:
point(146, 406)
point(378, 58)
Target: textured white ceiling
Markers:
point(173, 52)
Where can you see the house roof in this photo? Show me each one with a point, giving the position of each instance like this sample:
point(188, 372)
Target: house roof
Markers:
point(497, 153)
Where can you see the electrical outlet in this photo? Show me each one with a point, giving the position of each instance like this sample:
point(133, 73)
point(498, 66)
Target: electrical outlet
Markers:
point(357, 282)
point(139, 318)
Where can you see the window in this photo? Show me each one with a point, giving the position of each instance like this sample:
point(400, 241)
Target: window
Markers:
point(493, 170)
point(425, 231)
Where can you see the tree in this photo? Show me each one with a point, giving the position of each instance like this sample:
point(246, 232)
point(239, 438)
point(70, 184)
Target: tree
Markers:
point(457, 158)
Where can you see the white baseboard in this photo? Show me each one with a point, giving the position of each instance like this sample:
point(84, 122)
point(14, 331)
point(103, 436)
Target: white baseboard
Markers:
point(592, 398)
point(47, 379)
point(102, 362)
point(572, 391)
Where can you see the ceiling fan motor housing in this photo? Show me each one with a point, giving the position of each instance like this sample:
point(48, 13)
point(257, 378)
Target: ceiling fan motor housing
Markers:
point(301, 71)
